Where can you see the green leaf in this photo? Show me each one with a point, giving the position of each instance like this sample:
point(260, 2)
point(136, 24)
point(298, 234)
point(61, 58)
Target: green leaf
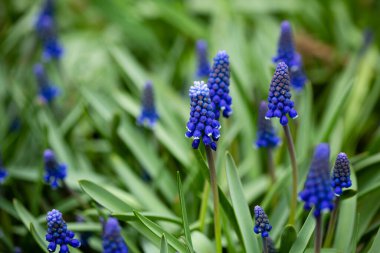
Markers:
point(348, 194)
point(185, 221)
point(288, 237)
point(38, 238)
point(240, 207)
point(164, 244)
point(304, 235)
point(130, 216)
point(375, 248)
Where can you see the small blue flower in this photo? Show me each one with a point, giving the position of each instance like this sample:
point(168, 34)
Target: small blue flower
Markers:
point(112, 240)
point(279, 102)
point(3, 172)
point(202, 124)
point(262, 225)
point(54, 171)
point(266, 135)
point(203, 63)
point(317, 190)
point(286, 52)
point(58, 234)
point(47, 31)
point(341, 174)
point(47, 92)
point(148, 116)
point(218, 84)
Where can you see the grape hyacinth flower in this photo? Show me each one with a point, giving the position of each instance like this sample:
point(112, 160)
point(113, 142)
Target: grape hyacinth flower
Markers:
point(47, 91)
point(148, 116)
point(341, 174)
point(202, 124)
point(112, 240)
point(279, 103)
point(54, 171)
point(58, 234)
point(317, 190)
point(266, 135)
point(262, 225)
point(47, 31)
point(203, 63)
point(218, 84)
point(286, 52)
point(3, 171)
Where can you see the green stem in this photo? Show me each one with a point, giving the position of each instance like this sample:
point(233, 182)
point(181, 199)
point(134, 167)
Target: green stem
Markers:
point(265, 245)
point(332, 225)
point(292, 153)
point(272, 174)
point(203, 211)
point(318, 235)
point(214, 187)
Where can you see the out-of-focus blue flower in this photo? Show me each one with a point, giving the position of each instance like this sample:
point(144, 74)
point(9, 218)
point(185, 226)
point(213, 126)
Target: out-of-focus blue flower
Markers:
point(202, 124)
point(54, 171)
point(47, 92)
point(112, 240)
point(279, 102)
point(317, 190)
point(219, 85)
point(262, 225)
point(3, 172)
point(271, 245)
point(202, 56)
point(341, 174)
point(47, 31)
point(266, 135)
point(148, 116)
point(286, 52)
point(58, 234)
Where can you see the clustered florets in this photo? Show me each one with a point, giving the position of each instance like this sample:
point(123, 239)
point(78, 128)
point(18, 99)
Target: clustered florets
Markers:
point(148, 116)
point(202, 124)
point(266, 134)
point(317, 190)
point(112, 240)
point(341, 174)
point(279, 103)
point(218, 84)
point(54, 171)
point(262, 225)
point(58, 234)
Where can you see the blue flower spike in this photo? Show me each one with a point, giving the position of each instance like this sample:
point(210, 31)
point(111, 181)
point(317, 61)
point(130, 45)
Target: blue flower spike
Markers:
point(3, 173)
point(58, 234)
point(202, 124)
point(262, 225)
point(317, 190)
point(219, 85)
point(341, 174)
point(203, 69)
point(286, 52)
point(266, 134)
point(47, 31)
point(148, 116)
point(279, 103)
point(54, 171)
point(47, 92)
point(112, 240)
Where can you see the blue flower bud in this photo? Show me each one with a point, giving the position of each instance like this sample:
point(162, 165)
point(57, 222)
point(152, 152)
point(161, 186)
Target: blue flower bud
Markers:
point(202, 124)
point(202, 57)
point(262, 225)
point(266, 135)
point(219, 85)
point(341, 174)
point(317, 190)
point(113, 242)
point(148, 116)
point(58, 234)
point(279, 103)
point(54, 171)
point(47, 92)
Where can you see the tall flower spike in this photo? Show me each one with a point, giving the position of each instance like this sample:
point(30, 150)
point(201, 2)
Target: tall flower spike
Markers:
point(148, 116)
point(317, 190)
point(54, 171)
point(47, 92)
point(112, 240)
point(58, 234)
point(202, 124)
point(279, 102)
point(286, 52)
point(218, 84)
point(341, 174)
point(262, 225)
point(47, 31)
point(266, 135)
point(203, 63)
